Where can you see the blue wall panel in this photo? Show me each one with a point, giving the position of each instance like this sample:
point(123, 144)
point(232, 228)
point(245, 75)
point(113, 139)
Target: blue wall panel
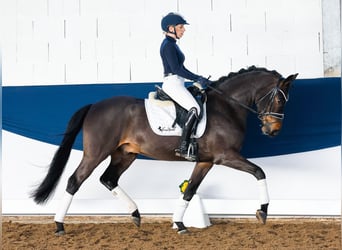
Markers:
point(312, 115)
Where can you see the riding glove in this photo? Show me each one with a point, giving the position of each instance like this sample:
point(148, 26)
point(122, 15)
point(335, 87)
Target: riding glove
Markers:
point(204, 82)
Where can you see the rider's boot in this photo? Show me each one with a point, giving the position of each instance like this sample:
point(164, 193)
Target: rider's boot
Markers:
point(184, 150)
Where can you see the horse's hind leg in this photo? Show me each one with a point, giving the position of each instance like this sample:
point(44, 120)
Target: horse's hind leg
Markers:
point(82, 172)
point(120, 161)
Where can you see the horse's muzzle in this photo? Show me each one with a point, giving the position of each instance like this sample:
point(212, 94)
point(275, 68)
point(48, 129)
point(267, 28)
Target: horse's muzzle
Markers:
point(271, 126)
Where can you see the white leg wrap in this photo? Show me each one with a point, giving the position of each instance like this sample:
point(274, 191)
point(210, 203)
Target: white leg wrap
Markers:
point(180, 210)
point(65, 204)
point(120, 194)
point(263, 192)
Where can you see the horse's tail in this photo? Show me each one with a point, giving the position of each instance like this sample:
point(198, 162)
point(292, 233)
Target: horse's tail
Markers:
point(43, 192)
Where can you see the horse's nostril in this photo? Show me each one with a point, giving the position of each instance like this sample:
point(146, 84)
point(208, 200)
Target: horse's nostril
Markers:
point(274, 133)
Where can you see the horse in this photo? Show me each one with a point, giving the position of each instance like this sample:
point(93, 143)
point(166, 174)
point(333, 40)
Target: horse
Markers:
point(118, 127)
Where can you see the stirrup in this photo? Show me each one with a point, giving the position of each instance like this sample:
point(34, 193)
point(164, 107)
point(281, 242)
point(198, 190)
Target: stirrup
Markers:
point(189, 154)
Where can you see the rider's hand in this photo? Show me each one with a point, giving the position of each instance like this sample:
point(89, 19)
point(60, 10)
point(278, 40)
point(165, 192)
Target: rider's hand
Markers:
point(205, 82)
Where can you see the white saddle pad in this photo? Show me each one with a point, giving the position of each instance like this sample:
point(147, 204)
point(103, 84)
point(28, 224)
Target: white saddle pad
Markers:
point(162, 114)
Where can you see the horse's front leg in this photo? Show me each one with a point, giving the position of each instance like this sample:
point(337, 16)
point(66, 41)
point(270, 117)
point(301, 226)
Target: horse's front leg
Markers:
point(238, 162)
point(200, 171)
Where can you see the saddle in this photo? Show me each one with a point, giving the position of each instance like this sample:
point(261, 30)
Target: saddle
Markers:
point(167, 118)
point(199, 95)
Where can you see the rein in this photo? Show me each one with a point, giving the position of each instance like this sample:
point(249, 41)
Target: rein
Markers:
point(232, 99)
point(272, 92)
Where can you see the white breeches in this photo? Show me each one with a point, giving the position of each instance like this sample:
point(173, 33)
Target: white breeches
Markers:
point(174, 86)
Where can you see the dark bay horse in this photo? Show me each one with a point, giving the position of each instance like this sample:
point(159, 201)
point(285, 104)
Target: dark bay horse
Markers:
point(118, 127)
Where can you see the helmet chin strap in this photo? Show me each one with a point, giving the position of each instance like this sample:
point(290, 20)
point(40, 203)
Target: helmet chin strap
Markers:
point(174, 32)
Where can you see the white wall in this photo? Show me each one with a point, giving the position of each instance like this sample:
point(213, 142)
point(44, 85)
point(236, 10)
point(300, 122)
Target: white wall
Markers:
point(88, 41)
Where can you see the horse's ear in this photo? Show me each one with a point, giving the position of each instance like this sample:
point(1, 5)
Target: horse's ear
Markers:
point(285, 84)
point(290, 78)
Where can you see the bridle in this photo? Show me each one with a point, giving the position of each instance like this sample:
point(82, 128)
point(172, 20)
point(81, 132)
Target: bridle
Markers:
point(271, 95)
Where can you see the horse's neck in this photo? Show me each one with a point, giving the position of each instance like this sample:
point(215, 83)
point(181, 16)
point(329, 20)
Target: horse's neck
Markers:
point(245, 87)
point(241, 89)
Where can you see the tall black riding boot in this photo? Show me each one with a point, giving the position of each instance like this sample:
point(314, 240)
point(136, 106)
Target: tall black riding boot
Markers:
point(184, 149)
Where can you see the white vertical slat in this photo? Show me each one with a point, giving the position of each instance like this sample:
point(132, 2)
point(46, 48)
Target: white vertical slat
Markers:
point(121, 70)
point(56, 73)
point(32, 8)
point(17, 73)
point(24, 28)
point(48, 28)
point(279, 20)
point(109, 27)
point(105, 71)
point(104, 50)
point(160, 9)
point(32, 51)
point(64, 51)
point(71, 8)
point(55, 8)
point(81, 72)
point(301, 43)
point(233, 44)
point(80, 28)
point(121, 47)
point(239, 62)
point(310, 19)
point(8, 21)
point(264, 44)
point(248, 21)
point(214, 66)
point(228, 5)
point(9, 51)
point(256, 5)
point(91, 8)
point(40, 73)
point(152, 45)
point(146, 70)
point(88, 50)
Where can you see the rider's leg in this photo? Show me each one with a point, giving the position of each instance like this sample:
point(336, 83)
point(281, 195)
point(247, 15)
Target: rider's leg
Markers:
point(174, 87)
point(184, 150)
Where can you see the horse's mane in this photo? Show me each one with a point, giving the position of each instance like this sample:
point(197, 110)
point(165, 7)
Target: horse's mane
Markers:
point(243, 71)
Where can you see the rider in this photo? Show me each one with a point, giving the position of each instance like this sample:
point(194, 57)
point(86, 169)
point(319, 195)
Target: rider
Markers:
point(174, 76)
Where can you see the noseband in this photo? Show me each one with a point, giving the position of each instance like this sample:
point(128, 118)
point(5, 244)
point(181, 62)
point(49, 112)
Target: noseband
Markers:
point(271, 95)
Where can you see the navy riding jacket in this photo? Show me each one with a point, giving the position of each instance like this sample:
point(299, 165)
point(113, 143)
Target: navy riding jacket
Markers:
point(173, 60)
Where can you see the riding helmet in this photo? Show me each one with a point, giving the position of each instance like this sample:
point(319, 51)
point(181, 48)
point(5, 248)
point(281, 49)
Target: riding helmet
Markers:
point(172, 19)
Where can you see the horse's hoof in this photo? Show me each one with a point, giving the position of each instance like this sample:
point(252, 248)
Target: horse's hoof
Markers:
point(181, 229)
point(60, 229)
point(136, 218)
point(59, 233)
point(136, 221)
point(261, 216)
